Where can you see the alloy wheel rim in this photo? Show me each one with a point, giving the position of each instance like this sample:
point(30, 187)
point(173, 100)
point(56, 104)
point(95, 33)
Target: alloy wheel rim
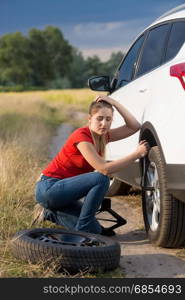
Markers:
point(152, 197)
point(68, 239)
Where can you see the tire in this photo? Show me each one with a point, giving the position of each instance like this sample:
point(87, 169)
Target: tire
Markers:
point(72, 251)
point(164, 215)
point(118, 187)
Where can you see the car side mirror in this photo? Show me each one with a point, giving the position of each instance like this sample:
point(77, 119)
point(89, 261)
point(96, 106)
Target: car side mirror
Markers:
point(100, 83)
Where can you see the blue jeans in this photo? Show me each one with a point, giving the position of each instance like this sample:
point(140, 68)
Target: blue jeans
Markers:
point(63, 198)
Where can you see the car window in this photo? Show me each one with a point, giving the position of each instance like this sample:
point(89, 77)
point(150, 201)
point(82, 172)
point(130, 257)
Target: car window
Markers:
point(176, 39)
point(127, 68)
point(153, 49)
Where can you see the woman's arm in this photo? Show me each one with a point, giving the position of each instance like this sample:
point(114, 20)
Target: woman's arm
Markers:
point(107, 168)
point(131, 126)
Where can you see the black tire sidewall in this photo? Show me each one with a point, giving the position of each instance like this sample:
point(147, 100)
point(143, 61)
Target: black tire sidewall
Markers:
point(26, 236)
point(71, 258)
point(156, 235)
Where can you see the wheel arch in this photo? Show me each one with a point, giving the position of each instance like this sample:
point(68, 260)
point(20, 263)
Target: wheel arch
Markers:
point(149, 134)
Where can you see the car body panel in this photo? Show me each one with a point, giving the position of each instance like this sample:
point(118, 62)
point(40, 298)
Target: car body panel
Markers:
point(157, 100)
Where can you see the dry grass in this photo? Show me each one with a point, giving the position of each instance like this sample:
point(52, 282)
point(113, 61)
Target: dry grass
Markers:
point(24, 137)
point(28, 121)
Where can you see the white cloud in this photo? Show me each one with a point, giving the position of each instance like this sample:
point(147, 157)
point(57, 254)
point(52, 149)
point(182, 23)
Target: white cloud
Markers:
point(108, 34)
point(98, 27)
point(104, 38)
point(103, 53)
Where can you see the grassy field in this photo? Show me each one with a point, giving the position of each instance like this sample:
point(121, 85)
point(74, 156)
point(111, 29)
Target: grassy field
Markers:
point(28, 120)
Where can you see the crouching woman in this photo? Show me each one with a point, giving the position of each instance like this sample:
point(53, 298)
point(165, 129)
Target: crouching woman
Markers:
point(71, 177)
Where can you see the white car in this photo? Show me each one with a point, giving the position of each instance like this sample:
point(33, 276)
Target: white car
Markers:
point(150, 82)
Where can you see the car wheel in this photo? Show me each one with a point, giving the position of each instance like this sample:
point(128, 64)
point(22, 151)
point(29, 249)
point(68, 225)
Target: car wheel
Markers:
point(117, 187)
point(72, 251)
point(164, 215)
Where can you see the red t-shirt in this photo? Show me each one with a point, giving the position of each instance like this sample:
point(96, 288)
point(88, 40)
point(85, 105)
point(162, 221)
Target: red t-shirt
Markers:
point(69, 161)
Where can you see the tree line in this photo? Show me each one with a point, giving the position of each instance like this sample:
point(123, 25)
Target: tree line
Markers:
point(44, 59)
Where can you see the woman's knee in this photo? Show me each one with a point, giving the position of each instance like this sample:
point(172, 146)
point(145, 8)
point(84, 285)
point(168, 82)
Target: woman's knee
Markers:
point(41, 194)
point(102, 179)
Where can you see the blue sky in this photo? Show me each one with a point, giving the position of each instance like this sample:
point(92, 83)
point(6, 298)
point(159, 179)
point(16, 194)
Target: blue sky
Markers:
point(93, 26)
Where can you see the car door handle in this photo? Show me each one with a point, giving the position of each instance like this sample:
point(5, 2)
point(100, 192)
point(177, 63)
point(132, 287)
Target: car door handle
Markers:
point(143, 90)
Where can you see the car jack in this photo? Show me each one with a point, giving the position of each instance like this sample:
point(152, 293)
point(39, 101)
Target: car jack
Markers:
point(106, 206)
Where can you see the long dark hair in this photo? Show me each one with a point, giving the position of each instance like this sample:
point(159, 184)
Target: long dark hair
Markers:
point(94, 108)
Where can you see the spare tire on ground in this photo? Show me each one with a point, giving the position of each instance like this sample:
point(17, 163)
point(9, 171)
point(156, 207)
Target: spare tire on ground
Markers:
point(73, 251)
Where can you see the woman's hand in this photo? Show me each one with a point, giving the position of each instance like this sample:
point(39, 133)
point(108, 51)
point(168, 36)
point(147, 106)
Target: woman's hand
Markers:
point(142, 148)
point(105, 98)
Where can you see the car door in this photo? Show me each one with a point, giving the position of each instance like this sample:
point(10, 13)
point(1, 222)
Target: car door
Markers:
point(133, 90)
point(125, 93)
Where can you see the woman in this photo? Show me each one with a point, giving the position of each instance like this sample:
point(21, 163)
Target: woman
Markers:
point(70, 175)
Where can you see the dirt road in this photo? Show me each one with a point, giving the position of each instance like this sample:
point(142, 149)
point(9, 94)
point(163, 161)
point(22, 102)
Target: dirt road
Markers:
point(139, 259)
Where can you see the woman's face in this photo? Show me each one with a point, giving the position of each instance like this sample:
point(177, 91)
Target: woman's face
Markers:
point(100, 122)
